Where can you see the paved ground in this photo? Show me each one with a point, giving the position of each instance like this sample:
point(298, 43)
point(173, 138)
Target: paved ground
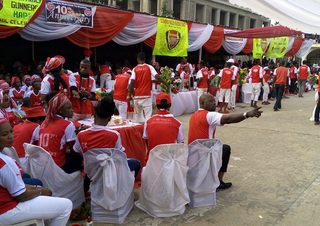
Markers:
point(274, 168)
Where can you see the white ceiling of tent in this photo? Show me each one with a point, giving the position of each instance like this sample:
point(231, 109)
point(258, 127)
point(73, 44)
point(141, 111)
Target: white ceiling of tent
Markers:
point(301, 15)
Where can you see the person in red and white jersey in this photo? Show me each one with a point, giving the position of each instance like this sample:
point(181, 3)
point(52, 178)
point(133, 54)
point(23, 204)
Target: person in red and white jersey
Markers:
point(53, 81)
point(35, 94)
point(141, 79)
point(105, 75)
point(126, 67)
point(212, 72)
point(28, 131)
point(120, 94)
point(56, 134)
point(162, 123)
point(83, 90)
point(203, 123)
point(100, 136)
point(26, 79)
point(280, 79)
point(185, 75)
point(293, 78)
point(225, 81)
point(7, 104)
point(16, 93)
point(304, 72)
point(233, 92)
point(21, 202)
point(203, 79)
point(257, 82)
point(184, 63)
point(267, 72)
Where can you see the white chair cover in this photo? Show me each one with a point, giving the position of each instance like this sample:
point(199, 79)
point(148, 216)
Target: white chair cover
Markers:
point(164, 192)
point(13, 154)
point(204, 162)
point(112, 184)
point(246, 91)
point(40, 165)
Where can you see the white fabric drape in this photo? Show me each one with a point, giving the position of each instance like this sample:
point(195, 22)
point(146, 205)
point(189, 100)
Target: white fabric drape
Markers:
point(233, 45)
point(290, 44)
point(39, 30)
point(140, 28)
point(198, 35)
point(305, 47)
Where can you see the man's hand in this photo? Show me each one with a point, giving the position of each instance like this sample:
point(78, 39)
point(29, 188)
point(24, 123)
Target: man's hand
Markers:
point(46, 192)
point(75, 95)
point(85, 93)
point(254, 113)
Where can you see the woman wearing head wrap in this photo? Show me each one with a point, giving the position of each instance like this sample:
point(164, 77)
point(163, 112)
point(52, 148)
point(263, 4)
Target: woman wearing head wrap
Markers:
point(4, 103)
point(26, 79)
point(53, 81)
point(56, 134)
point(35, 94)
point(16, 93)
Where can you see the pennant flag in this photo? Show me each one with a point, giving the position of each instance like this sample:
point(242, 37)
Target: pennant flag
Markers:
point(259, 47)
point(278, 47)
point(17, 13)
point(172, 38)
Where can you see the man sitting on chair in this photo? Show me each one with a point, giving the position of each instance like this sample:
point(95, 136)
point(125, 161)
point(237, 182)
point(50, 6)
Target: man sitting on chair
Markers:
point(203, 124)
point(163, 128)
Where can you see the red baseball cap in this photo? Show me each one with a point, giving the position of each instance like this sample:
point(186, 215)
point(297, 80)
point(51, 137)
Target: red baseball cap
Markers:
point(163, 96)
point(35, 112)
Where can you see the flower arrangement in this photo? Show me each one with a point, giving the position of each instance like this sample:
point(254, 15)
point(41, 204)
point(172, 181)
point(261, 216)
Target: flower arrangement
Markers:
point(312, 79)
point(214, 81)
point(98, 96)
point(242, 76)
point(166, 75)
point(177, 82)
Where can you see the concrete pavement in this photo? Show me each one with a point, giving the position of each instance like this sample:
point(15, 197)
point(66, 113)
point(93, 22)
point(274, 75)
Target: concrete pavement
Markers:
point(274, 168)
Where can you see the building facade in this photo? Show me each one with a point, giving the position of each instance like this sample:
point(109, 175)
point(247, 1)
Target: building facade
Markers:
point(216, 12)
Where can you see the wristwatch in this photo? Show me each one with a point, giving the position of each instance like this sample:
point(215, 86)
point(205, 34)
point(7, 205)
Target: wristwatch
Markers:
point(245, 115)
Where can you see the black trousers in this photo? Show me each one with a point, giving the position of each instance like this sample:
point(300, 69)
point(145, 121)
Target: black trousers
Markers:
point(279, 92)
point(293, 86)
point(226, 152)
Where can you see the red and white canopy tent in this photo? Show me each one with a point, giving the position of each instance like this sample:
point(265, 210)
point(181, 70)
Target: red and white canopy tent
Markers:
point(129, 28)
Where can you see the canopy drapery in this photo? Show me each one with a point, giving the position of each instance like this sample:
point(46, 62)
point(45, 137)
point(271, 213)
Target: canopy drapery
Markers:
point(215, 41)
point(248, 47)
point(305, 47)
point(295, 47)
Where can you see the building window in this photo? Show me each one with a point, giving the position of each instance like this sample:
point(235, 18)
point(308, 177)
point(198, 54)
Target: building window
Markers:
point(232, 20)
point(253, 23)
point(176, 8)
point(265, 24)
point(241, 22)
point(213, 16)
point(136, 6)
point(154, 7)
point(123, 4)
point(223, 19)
point(200, 13)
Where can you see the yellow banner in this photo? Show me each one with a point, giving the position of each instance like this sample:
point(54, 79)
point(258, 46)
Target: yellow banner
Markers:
point(172, 38)
point(259, 47)
point(17, 13)
point(278, 47)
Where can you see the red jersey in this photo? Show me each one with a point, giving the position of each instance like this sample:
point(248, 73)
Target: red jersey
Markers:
point(35, 98)
point(256, 73)
point(18, 95)
point(121, 87)
point(281, 74)
point(143, 74)
point(293, 71)
point(304, 71)
point(266, 74)
point(47, 85)
point(79, 106)
point(27, 132)
point(235, 70)
point(54, 137)
point(226, 75)
point(204, 74)
point(105, 69)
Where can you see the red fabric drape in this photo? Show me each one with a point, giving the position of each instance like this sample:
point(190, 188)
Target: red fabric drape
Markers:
point(248, 47)
point(295, 47)
point(152, 40)
point(263, 32)
point(215, 41)
point(6, 31)
point(107, 23)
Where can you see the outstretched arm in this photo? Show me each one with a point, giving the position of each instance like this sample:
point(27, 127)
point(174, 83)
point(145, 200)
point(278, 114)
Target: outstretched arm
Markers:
point(235, 118)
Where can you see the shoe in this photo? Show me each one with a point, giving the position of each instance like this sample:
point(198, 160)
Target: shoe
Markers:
point(268, 102)
point(317, 123)
point(220, 111)
point(226, 112)
point(233, 109)
point(264, 103)
point(276, 109)
point(224, 185)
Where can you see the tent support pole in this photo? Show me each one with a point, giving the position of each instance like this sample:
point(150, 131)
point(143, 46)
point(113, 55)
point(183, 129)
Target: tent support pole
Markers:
point(200, 54)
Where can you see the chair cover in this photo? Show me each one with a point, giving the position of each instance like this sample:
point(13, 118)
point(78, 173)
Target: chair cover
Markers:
point(40, 165)
point(163, 191)
point(13, 154)
point(246, 91)
point(112, 184)
point(204, 162)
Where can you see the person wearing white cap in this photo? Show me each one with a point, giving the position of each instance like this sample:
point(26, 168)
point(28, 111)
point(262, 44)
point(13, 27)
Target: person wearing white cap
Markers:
point(257, 82)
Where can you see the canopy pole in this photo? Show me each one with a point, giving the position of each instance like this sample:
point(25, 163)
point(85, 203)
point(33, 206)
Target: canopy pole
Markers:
point(234, 56)
point(153, 58)
point(32, 44)
point(200, 54)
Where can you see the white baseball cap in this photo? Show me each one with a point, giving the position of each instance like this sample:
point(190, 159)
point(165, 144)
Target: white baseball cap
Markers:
point(230, 61)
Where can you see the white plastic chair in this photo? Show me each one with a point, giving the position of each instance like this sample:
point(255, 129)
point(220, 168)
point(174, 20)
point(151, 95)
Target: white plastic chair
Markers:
point(204, 162)
point(30, 222)
point(112, 186)
point(41, 165)
point(246, 91)
point(163, 191)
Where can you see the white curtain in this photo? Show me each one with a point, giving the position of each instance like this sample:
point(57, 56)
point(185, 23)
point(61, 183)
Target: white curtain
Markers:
point(198, 35)
point(233, 45)
point(140, 28)
point(290, 44)
point(305, 47)
point(39, 30)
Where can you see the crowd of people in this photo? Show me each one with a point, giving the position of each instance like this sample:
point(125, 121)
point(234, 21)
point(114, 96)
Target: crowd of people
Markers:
point(40, 109)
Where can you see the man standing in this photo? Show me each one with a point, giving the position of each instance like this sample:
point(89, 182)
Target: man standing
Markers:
point(182, 65)
point(162, 123)
point(141, 79)
point(257, 82)
point(232, 102)
point(293, 78)
point(203, 79)
point(280, 80)
point(267, 71)
point(304, 72)
point(203, 124)
point(105, 74)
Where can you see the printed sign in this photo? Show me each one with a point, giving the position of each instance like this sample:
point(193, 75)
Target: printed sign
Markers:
point(259, 47)
point(69, 13)
point(278, 47)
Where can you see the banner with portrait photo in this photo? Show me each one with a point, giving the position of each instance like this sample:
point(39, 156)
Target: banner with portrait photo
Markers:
point(172, 38)
point(69, 13)
point(17, 13)
point(277, 47)
point(259, 47)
